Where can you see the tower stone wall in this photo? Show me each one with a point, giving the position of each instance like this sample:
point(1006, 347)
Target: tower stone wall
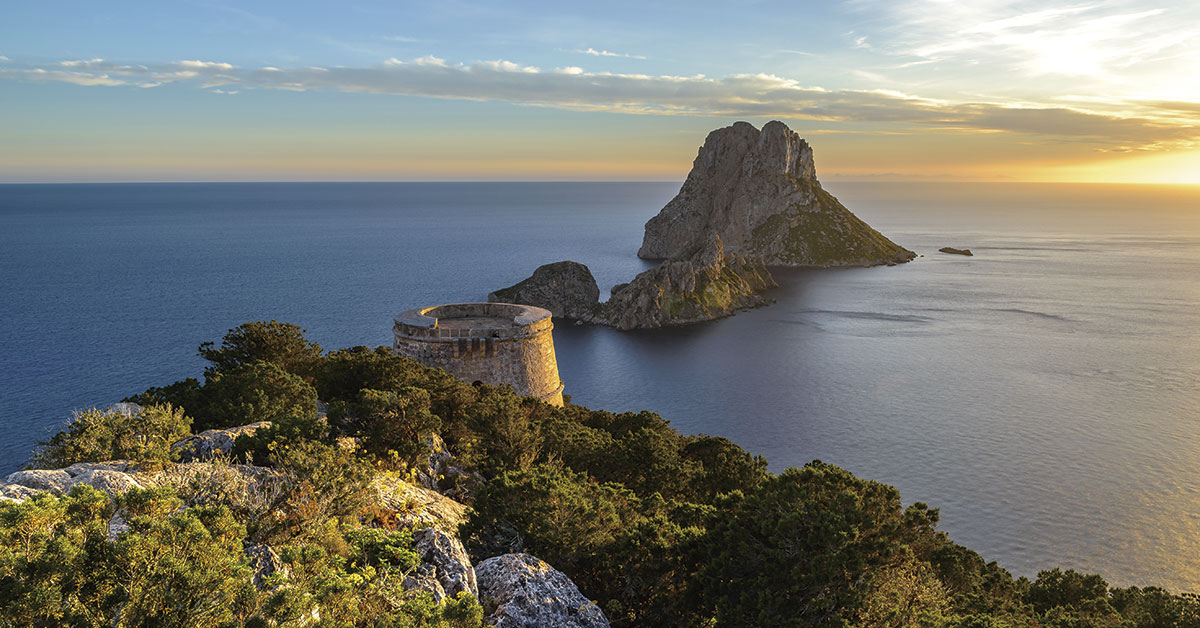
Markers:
point(493, 343)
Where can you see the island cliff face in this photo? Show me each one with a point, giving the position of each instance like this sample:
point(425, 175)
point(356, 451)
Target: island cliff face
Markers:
point(706, 284)
point(758, 191)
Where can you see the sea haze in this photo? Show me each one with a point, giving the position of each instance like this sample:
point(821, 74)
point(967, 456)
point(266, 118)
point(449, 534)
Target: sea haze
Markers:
point(1042, 394)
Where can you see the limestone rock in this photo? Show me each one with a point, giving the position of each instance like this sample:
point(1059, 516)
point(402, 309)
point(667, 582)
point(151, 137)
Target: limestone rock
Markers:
point(16, 492)
point(80, 468)
point(707, 284)
point(449, 560)
point(567, 289)
point(264, 562)
point(954, 251)
point(211, 443)
point(441, 472)
point(55, 481)
point(112, 482)
point(424, 579)
point(530, 593)
point(116, 525)
point(759, 191)
point(418, 507)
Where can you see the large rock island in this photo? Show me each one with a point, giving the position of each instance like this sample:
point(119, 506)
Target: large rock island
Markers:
point(758, 190)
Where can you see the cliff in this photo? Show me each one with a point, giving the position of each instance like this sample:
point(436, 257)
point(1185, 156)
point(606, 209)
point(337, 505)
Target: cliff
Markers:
point(567, 289)
point(706, 284)
point(758, 190)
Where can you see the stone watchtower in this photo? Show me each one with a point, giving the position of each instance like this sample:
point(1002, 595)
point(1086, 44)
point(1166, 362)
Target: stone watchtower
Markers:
point(493, 343)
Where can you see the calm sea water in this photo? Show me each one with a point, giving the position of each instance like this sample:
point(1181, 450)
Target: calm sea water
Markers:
point(1043, 394)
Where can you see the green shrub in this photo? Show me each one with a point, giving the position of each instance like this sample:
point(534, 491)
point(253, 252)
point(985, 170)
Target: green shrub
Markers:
point(554, 513)
point(392, 425)
point(171, 568)
point(143, 436)
point(802, 549)
point(259, 391)
point(281, 344)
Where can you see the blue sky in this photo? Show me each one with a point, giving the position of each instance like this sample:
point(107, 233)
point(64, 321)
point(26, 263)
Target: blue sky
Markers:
point(987, 89)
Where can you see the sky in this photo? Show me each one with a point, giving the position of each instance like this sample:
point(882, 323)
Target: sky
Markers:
point(993, 90)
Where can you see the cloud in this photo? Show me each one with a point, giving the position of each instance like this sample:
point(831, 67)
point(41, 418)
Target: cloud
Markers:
point(605, 53)
point(1117, 43)
point(206, 65)
point(1156, 126)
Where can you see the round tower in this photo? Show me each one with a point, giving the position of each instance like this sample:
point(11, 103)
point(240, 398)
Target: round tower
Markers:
point(493, 343)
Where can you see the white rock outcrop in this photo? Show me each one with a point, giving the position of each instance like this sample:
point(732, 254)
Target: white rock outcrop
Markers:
point(212, 443)
point(529, 593)
point(446, 562)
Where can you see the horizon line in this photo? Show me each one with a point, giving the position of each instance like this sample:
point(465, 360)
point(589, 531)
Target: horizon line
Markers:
point(543, 181)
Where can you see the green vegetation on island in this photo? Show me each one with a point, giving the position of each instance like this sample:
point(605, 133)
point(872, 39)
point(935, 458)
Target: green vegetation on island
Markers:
point(658, 527)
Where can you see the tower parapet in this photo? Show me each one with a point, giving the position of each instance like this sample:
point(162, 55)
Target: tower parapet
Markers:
point(492, 343)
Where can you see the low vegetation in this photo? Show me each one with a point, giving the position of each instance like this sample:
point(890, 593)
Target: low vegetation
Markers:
point(660, 528)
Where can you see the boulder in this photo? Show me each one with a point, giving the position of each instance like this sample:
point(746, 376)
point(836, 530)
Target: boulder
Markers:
point(264, 562)
point(417, 507)
point(212, 443)
point(566, 288)
point(116, 525)
point(529, 593)
point(759, 191)
point(55, 481)
point(424, 579)
point(112, 482)
point(441, 472)
point(451, 566)
point(79, 468)
point(706, 284)
point(16, 492)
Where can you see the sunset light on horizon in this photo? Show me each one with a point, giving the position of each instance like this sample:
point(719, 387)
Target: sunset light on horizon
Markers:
point(996, 90)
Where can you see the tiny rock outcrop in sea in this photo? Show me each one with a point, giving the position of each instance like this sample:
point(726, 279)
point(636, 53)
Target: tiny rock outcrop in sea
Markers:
point(953, 251)
point(567, 289)
point(758, 190)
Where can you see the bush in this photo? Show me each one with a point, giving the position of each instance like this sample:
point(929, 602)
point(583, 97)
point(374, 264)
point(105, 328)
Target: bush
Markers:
point(393, 424)
point(554, 513)
point(143, 436)
point(259, 391)
point(802, 549)
point(314, 483)
point(281, 344)
point(172, 568)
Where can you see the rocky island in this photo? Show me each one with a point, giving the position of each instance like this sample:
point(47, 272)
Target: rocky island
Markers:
point(703, 285)
point(758, 190)
point(752, 200)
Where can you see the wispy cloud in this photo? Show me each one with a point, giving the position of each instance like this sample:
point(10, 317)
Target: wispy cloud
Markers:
point(1114, 44)
point(403, 39)
point(606, 53)
point(741, 95)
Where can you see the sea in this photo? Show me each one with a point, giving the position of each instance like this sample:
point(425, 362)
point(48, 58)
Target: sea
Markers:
point(1044, 394)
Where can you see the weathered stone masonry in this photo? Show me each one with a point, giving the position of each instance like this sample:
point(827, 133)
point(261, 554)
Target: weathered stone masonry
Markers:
point(493, 343)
